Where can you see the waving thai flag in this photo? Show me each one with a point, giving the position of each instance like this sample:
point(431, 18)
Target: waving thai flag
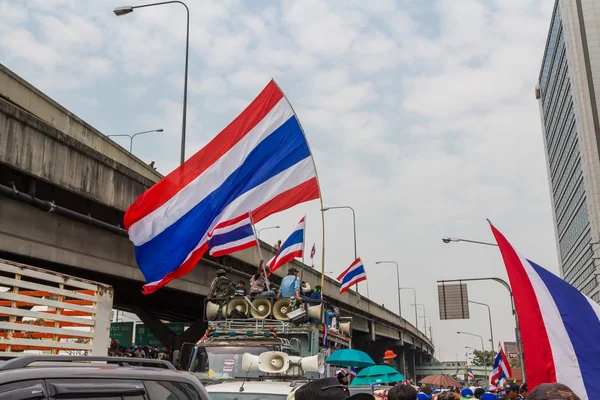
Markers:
point(293, 247)
point(352, 275)
point(231, 236)
point(260, 162)
point(313, 251)
point(501, 369)
point(559, 326)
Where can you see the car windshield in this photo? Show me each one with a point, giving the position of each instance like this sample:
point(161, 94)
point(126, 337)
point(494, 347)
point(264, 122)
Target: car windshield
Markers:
point(247, 396)
point(218, 363)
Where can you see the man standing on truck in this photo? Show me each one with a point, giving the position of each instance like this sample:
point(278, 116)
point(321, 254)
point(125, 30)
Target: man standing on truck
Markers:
point(290, 288)
point(221, 286)
point(258, 283)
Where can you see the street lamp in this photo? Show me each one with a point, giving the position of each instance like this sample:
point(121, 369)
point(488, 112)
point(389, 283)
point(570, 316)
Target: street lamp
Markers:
point(134, 135)
point(447, 239)
point(398, 277)
point(264, 229)
point(354, 225)
point(424, 321)
point(123, 10)
point(490, 318)
point(415, 297)
point(473, 334)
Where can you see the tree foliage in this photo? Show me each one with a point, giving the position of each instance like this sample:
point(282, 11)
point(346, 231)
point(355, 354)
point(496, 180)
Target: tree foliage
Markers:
point(484, 358)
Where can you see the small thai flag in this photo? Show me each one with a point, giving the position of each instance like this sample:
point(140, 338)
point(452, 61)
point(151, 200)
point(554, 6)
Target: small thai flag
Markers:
point(293, 247)
point(313, 251)
point(324, 335)
point(351, 276)
point(232, 236)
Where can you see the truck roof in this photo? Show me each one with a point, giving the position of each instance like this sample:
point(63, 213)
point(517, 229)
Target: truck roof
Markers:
point(283, 387)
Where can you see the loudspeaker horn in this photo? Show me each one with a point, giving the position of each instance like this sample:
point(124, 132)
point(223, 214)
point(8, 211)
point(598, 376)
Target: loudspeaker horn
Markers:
point(315, 363)
point(238, 304)
point(261, 308)
point(250, 363)
point(212, 309)
point(314, 312)
point(280, 309)
point(274, 362)
point(346, 328)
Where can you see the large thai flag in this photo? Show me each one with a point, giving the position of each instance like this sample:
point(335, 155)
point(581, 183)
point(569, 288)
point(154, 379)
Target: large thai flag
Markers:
point(560, 326)
point(260, 163)
point(231, 236)
point(293, 247)
point(352, 275)
point(501, 369)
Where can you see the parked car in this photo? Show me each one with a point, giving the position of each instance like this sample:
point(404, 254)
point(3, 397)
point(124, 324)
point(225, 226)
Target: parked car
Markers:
point(49, 377)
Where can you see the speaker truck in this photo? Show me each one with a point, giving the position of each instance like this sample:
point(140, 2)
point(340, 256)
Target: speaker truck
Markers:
point(241, 327)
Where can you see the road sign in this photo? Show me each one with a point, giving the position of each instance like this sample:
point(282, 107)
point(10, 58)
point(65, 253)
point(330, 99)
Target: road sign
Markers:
point(453, 301)
point(123, 332)
point(144, 337)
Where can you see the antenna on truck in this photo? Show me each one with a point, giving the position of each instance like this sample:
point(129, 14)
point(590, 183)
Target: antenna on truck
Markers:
point(246, 377)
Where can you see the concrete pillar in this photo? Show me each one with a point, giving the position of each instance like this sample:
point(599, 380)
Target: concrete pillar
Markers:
point(411, 364)
point(401, 360)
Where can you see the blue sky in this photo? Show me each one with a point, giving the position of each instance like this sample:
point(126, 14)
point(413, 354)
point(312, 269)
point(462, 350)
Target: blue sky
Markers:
point(421, 115)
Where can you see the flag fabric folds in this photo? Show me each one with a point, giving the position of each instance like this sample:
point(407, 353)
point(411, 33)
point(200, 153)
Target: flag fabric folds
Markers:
point(471, 376)
point(559, 326)
point(352, 275)
point(293, 247)
point(501, 369)
point(260, 162)
point(231, 236)
point(313, 251)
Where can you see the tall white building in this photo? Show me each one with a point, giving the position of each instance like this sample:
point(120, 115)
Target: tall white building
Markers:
point(568, 92)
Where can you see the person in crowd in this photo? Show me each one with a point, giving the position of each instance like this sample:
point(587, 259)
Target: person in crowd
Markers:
point(552, 391)
point(221, 286)
point(466, 393)
point(278, 245)
point(316, 294)
point(512, 391)
point(306, 289)
point(388, 357)
point(290, 286)
point(139, 352)
point(402, 392)
point(478, 393)
point(425, 393)
point(342, 376)
point(328, 389)
point(240, 289)
point(258, 283)
point(524, 390)
point(331, 317)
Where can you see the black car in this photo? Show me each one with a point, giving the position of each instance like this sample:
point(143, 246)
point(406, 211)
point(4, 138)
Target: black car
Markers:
point(38, 377)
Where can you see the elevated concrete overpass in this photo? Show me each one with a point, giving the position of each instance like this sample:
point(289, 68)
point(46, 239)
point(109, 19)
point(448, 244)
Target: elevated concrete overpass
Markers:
point(64, 188)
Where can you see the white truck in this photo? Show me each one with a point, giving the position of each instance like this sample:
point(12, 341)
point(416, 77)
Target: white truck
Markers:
point(47, 312)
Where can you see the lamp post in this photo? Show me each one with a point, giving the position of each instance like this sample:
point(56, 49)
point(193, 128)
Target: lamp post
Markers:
point(473, 334)
point(415, 297)
point(503, 283)
point(424, 312)
point(354, 225)
point(264, 229)
point(120, 11)
point(134, 135)
point(490, 318)
point(398, 277)
point(430, 334)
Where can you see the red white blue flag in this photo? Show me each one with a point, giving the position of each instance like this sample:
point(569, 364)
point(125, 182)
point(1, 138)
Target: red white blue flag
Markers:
point(260, 162)
point(313, 251)
point(501, 369)
point(231, 236)
point(293, 247)
point(352, 275)
point(559, 326)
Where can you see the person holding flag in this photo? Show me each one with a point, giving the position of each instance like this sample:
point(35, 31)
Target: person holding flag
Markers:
point(501, 369)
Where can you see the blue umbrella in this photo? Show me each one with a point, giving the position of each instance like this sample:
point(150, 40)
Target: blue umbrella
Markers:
point(350, 358)
point(377, 374)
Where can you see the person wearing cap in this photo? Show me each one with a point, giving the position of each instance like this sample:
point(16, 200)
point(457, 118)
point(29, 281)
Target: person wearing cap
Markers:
point(512, 391)
point(524, 390)
point(290, 286)
point(552, 391)
point(328, 389)
point(388, 357)
point(402, 392)
point(466, 393)
point(342, 376)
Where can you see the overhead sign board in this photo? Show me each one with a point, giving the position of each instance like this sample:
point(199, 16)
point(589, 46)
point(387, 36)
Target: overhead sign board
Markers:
point(453, 300)
point(144, 337)
point(123, 332)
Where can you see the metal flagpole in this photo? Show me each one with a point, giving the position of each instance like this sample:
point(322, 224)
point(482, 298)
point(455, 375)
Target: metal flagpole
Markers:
point(320, 194)
point(259, 250)
point(303, 242)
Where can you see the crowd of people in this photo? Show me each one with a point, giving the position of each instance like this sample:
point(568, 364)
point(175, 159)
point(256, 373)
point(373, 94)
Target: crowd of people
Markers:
point(337, 389)
point(115, 350)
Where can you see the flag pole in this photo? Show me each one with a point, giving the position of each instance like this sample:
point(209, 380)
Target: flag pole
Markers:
point(319, 188)
point(303, 242)
point(259, 250)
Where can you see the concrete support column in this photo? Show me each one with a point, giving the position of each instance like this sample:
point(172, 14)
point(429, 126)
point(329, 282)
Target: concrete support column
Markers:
point(411, 364)
point(401, 360)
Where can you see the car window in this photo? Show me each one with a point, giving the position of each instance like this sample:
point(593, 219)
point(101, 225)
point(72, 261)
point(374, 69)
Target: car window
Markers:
point(247, 396)
point(96, 389)
point(167, 390)
point(24, 390)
